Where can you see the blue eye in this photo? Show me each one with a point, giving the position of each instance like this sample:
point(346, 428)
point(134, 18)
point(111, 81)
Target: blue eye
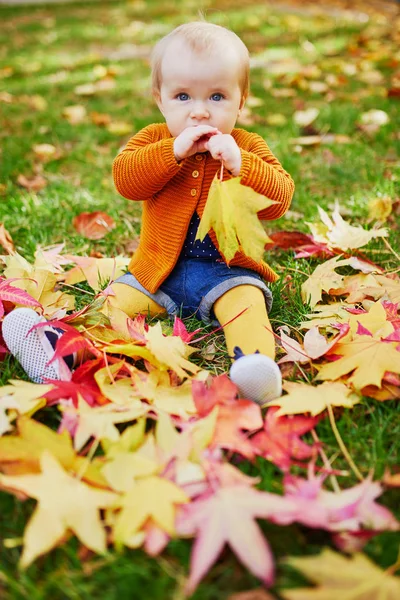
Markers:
point(183, 97)
point(217, 97)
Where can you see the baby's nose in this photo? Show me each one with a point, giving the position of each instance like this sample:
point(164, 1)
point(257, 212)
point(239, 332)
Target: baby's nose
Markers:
point(199, 111)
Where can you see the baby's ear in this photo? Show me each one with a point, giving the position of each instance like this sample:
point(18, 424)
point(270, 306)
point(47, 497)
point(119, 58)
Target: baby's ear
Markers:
point(157, 98)
point(242, 103)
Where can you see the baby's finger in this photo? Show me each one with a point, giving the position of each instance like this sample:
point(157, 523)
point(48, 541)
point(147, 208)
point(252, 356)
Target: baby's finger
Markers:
point(201, 130)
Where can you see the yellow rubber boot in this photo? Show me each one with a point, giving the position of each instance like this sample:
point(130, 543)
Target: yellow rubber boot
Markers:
point(250, 340)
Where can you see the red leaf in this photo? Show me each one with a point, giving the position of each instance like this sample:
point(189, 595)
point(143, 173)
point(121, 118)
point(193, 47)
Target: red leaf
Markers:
point(234, 424)
point(82, 383)
point(289, 239)
point(221, 391)
point(280, 441)
point(181, 331)
point(68, 343)
point(13, 294)
point(93, 226)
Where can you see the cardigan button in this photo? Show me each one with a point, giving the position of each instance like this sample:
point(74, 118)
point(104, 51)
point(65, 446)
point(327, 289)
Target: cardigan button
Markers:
point(195, 174)
point(193, 192)
point(199, 157)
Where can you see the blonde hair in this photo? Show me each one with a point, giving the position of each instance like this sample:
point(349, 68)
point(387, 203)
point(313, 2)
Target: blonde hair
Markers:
point(201, 37)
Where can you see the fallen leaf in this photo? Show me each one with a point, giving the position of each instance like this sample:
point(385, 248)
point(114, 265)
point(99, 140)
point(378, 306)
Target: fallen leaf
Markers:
point(314, 345)
point(33, 184)
point(353, 578)
point(93, 226)
point(46, 152)
point(256, 594)
point(280, 440)
point(20, 454)
point(40, 284)
point(337, 233)
point(100, 119)
point(64, 503)
point(6, 240)
point(156, 388)
point(379, 208)
point(302, 398)
point(96, 271)
point(99, 422)
point(375, 117)
point(74, 114)
point(119, 127)
point(231, 211)
point(323, 279)
point(152, 498)
point(315, 140)
point(367, 357)
point(228, 517)
point(170, 351)
point(303, 118)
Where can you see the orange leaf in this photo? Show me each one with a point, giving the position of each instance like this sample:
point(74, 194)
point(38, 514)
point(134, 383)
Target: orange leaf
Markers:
point(33, 184)
point(93, 226)
point(6, 240)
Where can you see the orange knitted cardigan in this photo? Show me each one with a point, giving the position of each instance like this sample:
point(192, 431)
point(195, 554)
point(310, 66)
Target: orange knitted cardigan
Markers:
point(146, 170)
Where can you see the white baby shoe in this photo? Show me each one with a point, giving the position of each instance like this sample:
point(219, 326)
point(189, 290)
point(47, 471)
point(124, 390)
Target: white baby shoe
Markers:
point(256, 376)
point(32, 350)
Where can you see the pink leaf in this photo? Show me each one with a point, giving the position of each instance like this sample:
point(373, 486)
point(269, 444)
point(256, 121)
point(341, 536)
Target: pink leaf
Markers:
point(361, 330)
point(13, 294)
point(227, 517)
point(181, 331)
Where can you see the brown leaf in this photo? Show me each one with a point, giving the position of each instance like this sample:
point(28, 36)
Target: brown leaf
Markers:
point(93, 226)
point(256, 594)
point(6, 240)
point(391, 480)
point(131, 246)
point(33, 184)
point(100, 119)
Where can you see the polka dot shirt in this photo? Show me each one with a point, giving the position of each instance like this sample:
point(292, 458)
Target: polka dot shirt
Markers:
point(198, 249)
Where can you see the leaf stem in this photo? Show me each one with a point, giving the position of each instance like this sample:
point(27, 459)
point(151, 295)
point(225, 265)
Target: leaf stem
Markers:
point(389, 247)
point(326, 461)
point(342, 446)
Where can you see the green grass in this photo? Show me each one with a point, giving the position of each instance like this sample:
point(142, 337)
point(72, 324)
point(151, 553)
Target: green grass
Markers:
point(48, 51)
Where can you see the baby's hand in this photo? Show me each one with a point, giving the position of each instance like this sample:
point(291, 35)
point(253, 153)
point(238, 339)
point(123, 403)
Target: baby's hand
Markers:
point(192, 140)
point(224, 148)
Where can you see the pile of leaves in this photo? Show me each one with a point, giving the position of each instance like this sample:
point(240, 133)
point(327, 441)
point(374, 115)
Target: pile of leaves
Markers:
point(149, 446)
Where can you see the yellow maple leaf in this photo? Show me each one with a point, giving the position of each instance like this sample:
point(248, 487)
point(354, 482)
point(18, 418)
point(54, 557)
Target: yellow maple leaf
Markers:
point(120, 391)
point(40, 284)
point(337, 233)
point(156, 388)
point(323, 279)
point(27, 396)
point(152, 498)
point(21, 453)
point(96, 271)
point(347, 577)
point(170, 351)
point(99, 422)
point(326, 315)
point(122, 470)
point(375, 320)
point(64, 503)
point(303, 397)
point(231, 211)
point(368, 356)
point(131, 439)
